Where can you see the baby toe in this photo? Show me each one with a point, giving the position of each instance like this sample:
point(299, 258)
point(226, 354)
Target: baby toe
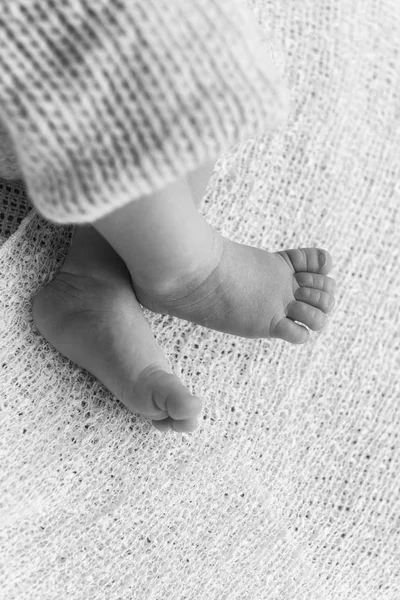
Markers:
point(184, 426)
point(162, 397)
point(316, 280)
point(290, 332)
point(315, 297)
point(174, 398)
point(313, 260)
point(311, 316)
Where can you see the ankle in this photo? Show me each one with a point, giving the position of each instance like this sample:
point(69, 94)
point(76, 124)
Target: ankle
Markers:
point(162, 238)
point(153, 292)
point(90, 254)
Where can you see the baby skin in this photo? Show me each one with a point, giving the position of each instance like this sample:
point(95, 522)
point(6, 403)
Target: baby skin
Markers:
point(160, 251)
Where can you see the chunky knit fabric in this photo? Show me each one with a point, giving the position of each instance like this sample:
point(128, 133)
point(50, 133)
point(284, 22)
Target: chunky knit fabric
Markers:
point(9, 167)
point(109, 100)
point(290, 488)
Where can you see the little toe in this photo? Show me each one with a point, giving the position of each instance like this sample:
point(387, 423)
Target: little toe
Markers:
point(317, 281)
point(291, 332)
point(315, 297)
point(311, 316)
point(313, 260)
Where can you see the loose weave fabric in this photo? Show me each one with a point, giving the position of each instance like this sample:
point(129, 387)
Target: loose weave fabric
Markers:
point(290, 487)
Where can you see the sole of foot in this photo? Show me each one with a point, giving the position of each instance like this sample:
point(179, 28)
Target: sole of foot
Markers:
point(252, 293)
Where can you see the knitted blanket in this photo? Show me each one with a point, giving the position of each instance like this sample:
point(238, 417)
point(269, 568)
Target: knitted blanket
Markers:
point(290, 488)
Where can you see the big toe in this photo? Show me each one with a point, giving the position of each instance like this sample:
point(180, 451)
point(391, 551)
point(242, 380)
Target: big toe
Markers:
point(289, 331)
point(309, 315)
point(162, 397)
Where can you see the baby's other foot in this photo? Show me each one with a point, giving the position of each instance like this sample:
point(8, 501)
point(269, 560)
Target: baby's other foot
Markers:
point(253, 293)
point(90, 314)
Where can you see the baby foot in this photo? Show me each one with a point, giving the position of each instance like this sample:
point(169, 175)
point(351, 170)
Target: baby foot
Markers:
point(90, 314)
point(252, 293)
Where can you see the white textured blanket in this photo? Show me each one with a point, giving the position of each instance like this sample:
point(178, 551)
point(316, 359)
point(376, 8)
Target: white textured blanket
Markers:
point(290, 488)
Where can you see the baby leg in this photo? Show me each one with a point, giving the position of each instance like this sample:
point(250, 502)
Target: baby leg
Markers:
point(179, 265)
